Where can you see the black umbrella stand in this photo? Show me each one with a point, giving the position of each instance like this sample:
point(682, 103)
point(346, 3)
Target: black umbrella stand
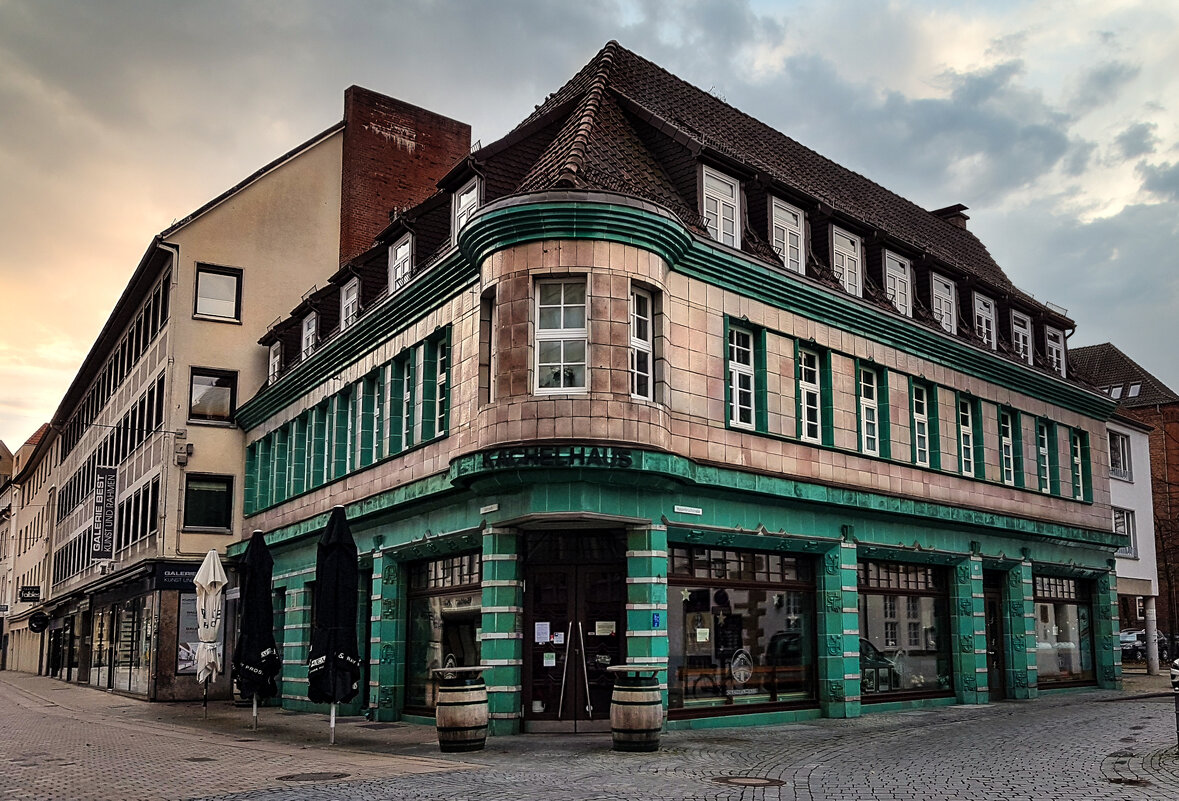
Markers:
point(333, 664)
point(256, 661)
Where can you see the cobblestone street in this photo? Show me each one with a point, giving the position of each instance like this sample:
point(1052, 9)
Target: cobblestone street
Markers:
point(63, 742)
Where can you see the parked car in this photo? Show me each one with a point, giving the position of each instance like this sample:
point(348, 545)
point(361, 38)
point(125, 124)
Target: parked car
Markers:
point(1134, 645)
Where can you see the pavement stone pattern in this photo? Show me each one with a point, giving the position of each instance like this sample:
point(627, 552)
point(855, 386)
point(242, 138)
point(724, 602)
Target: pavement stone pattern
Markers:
point(1069, 746)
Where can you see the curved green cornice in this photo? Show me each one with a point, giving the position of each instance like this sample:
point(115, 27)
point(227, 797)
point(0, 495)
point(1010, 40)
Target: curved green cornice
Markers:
point(442, 282)
point(618, 218)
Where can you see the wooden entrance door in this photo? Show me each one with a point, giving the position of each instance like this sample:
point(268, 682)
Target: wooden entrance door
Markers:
point(574, 630)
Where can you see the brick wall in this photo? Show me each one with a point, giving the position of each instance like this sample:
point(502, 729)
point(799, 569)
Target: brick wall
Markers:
point(394, 155)
point(1164, 474)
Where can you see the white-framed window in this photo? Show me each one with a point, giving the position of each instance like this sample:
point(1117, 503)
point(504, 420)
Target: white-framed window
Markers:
point(966, 437)
point(1115, 391)
point(561, 336)
point(400, 263)
point(845, 260)
point(1043, 460)
point(786, 225)
point(890, 606)
point(984, 320)
point(898, 283)
point(642, 344)
point(722, 207)
point(274, 366)
point(810, 396)
point(1054, 349)
point(1119, 457)
point(1021, 335)
point(310, 334)
point(941, 294)
point(921, 425)
point(349, 303)
point(1076, 450)
point(869, 412)
point(890, 634)
point(1133, 391)
point(741, 397)
point(408, 407)
point(1123, 523)
point(441, 375)
point(465, 203)
point(914, 635)
point(1007, 448)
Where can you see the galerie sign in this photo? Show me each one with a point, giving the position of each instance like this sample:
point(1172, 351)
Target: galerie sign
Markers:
point(102, 538)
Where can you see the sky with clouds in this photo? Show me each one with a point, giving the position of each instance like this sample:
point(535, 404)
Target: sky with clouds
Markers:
point(1055, 122)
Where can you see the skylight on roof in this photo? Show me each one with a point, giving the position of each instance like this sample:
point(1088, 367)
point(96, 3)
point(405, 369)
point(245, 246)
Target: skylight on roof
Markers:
point(1134, 390)
point(1115, 392)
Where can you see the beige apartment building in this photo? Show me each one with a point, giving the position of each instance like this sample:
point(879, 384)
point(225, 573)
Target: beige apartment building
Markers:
point(154, 402)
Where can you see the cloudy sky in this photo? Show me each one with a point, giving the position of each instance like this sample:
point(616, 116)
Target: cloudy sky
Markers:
point(1055, 122)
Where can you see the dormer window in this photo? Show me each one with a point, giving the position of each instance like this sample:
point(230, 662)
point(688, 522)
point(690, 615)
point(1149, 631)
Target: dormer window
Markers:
point(941, 294)
point(984, 320)
point(898, 283)
point(722, 207)
point(466, 201)
point(310, 334)
point(786, 226)
point(845, 260)
point(400, 264)
point(275, 364)
point(349, 303)
point(1054, 348)
point(1021, 336)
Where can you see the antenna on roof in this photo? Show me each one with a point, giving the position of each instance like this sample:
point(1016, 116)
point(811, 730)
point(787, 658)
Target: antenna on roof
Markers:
point(309, 292)
point(712, 90)
point(273, 323)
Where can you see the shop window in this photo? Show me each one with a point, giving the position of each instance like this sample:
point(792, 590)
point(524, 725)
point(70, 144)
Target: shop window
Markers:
point(1064, 630)
point(208, 501)
point(444, 623)
point(212, 395)
point(218, 293)
point(909, 654)
point(741, 630)
point(561, 337)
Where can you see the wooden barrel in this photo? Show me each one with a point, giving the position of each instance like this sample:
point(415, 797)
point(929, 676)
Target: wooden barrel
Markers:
point(461, 713)
point(636, 713)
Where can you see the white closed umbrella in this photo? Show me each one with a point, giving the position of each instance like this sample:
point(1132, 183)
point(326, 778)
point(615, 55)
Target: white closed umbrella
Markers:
point(210, 591)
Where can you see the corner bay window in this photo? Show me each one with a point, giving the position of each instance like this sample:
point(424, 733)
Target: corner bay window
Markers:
point(642, 341)
point(740, 628)
point(1064, 630)
point(445, 608)
point(561, 336)
point(904, 647)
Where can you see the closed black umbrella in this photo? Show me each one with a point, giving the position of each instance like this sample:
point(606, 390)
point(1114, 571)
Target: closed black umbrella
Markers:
point(255, 659)
point(333, 665)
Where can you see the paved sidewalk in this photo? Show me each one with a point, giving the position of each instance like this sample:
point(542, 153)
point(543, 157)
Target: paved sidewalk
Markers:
point(61, 741)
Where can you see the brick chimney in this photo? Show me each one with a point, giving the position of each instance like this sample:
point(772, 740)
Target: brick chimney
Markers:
point(393, 155)
point(953, 214)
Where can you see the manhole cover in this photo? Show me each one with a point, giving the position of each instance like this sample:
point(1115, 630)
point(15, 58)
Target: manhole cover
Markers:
point(312, 777)
point(1131, 782)
point(748, 781)
point(199, 759)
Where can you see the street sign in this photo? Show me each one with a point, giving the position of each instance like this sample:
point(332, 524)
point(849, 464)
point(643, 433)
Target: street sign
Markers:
point(30, 594)
point(102, 537)
point(3, 608)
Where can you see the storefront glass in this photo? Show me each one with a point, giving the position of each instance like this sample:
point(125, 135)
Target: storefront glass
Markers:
point(445, 620)
point(904, 629)
point(741, 629)
point(102, 626)
point(1064, 632)
point(134, 625)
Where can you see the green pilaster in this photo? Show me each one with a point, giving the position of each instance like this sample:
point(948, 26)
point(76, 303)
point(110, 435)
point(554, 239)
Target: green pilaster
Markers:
point(1106, 644)
point(646, 599)
point(342, 411)
point(319, 432)
point(367, 398)
point(296, 644)
point(502, 646)
point(265, 473)
point(1022, 617)
point(837, 619)
point(299, 454)
point(968, 632)
point(281, 453)
point(388, 658)
point(1015, 628)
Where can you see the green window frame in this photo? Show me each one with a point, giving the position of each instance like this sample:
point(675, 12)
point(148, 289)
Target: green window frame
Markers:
point(745, 377)
point(814, 411)
point(1047, 457)
point(402, 402)
point(1081, 470)
point(924, 414)
point(872, 415)
point(1010, 447)
point(968, 415)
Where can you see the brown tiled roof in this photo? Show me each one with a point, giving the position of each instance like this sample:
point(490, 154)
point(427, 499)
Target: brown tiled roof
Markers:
point(1106, 366)
point(34, 440)
point(598, 149)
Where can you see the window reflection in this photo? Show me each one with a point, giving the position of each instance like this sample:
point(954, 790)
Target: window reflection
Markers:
point(444, 623)
point(1064, 632)
point(904, 629)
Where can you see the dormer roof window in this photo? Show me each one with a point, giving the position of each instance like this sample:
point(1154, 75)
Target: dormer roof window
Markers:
point(984, 320)
point(786, 227)
point(275, 364)
point(349, 303)
point(845, 260)
point(1054, 349)
point(941, 293)
point(400, 263)
point(722, 207)
point(310, 335)
point(898, 283)
point(465, 202)
point(1021, 335)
